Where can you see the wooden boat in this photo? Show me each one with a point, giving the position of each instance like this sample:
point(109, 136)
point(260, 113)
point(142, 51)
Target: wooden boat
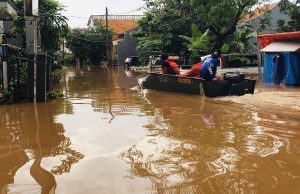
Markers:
point(231, 85)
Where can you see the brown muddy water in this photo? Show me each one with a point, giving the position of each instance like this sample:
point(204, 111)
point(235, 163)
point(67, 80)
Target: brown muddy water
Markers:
point(108, 136)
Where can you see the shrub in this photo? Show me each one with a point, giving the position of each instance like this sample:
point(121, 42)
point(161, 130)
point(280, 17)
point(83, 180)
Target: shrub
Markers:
point(56, 76)
point(56, 93)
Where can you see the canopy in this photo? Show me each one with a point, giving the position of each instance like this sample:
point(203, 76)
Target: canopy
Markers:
point(266, 39)
point(283, 46)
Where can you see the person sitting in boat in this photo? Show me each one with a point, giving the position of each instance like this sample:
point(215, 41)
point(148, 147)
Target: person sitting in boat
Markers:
point(168, 65)
point(209, 67)
point(195, 69)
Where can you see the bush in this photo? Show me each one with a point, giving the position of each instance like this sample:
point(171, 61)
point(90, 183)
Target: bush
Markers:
point(56, 76)
point(6, 95)
point(70, 59)
point(56, 93)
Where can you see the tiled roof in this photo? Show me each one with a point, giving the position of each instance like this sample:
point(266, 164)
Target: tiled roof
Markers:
point(258, 12)
point(119, 26)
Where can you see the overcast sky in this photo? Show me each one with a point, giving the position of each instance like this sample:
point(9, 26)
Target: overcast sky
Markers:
point(78, 12)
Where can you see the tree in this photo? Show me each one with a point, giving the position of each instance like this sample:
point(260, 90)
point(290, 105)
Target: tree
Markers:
point(51, 23)
point(222, 17)
point(160, 29)
point(293, 11)
point(89, 44)
point(170, 20)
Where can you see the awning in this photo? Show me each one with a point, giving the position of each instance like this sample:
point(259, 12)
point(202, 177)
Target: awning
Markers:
point(266, 39)
point(282, 46)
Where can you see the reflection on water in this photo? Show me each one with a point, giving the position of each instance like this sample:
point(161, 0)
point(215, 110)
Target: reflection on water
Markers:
point(109, 136)
point(227, 155)
point(29, 132)
point(200, 145)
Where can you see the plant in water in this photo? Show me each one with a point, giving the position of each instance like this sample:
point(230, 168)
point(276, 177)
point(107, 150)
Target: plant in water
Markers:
point(56, 76)
point(56, 93)
point(6, 95)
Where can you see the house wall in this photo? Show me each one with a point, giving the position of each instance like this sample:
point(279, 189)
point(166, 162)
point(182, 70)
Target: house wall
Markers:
point(275, 15)
point(126, 48)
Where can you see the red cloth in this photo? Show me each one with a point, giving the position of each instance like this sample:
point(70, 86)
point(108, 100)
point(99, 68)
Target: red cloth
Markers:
point(266, 39)
point(194, 71)
point(174, 66)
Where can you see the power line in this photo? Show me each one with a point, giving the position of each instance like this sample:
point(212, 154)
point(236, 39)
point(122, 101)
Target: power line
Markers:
point(79, 17)
point(134, 10)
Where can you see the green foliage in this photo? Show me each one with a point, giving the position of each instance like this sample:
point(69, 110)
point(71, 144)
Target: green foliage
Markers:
point(69, 59)
point(51, 23)
point(240, 41)
point(264, 23)
point(56, 76)
point(225, 48)
point(213, 22)
point(89, 44)
point(22, 74)
point(200, 42)
point(145, 47)
point(293, 11)
point(164, 22)
point(6, 95)
point(56, 93)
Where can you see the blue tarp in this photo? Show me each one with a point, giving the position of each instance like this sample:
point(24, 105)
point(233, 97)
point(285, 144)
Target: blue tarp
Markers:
point(284, 69)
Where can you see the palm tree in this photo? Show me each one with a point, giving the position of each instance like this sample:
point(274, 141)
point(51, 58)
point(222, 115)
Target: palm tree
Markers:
point(51, 24)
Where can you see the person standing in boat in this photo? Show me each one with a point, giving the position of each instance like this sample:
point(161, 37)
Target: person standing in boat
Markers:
point(209, 67)
point(168, 65)
point(195, 69)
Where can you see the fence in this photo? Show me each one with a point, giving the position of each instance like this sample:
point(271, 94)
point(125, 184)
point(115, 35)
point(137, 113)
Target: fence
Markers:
point(17, 74)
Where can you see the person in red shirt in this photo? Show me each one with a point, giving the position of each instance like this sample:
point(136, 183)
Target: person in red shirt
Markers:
point(195, 69)
point(168, 65)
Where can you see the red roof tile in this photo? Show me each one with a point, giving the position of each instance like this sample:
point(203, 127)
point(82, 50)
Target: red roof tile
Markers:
point(258, 12)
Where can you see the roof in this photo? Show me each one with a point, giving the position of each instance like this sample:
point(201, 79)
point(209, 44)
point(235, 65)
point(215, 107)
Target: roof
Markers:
point(258, 12)
point(102, 18)
point(282, 46)
point(266, 39)
point(119, 26)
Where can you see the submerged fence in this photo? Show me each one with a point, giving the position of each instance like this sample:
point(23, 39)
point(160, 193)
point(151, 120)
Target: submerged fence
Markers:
point(17, 74)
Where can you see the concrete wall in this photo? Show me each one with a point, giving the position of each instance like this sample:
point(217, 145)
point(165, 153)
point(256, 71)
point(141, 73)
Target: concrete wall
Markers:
point(275, 15)
point(126, 48)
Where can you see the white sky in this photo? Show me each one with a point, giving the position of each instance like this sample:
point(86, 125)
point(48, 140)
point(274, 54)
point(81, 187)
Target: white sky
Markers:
point(78, 12)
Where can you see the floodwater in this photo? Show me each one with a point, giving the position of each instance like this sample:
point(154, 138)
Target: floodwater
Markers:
point(108, 136)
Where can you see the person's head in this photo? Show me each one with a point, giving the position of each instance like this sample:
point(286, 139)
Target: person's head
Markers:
point(216, 54)
point(164, 56)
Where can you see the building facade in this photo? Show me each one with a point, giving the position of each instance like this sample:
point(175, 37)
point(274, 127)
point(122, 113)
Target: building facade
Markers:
point(122, 44)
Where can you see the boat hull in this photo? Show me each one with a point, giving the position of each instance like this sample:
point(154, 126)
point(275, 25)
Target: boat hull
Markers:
point(197, 86)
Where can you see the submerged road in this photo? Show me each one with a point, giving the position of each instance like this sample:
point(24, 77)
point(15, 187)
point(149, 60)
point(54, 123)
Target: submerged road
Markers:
point(108, 136)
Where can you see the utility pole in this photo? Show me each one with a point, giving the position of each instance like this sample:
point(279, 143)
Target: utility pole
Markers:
point(31, 11)
point(107, 43)
point(31, 41)
point(35, 57)
point(63, 50)
point(106, 19)
point(259, 58)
